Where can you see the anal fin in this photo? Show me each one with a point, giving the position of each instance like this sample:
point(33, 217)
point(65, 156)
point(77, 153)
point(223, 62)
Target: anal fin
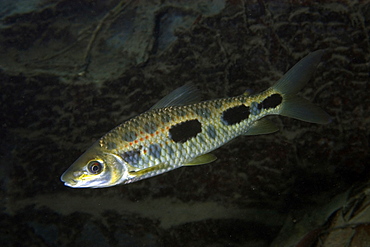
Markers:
point(202, 159)
point(262, 126)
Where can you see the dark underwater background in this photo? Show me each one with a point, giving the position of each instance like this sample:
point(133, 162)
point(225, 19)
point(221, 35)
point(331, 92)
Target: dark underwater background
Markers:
point(72, 70)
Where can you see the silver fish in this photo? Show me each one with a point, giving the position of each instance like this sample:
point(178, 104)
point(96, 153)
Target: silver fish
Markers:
point(181, 131)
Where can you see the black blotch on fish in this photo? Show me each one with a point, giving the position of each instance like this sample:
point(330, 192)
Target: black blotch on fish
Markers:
point(235, 115)
point(259, 107)
point(272, 101)
point(184, 131)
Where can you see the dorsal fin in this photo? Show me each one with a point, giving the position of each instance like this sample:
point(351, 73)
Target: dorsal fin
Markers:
point(185, 95)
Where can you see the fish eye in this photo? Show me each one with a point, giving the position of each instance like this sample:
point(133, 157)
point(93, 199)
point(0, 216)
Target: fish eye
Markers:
point(95, 167)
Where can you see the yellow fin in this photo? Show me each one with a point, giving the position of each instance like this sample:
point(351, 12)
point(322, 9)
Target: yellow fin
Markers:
point(147, 170)
point(202, 159)
point(185, 95)
point(262, 126)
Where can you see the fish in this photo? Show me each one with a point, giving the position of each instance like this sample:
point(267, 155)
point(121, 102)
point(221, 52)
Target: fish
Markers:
point(180, 130)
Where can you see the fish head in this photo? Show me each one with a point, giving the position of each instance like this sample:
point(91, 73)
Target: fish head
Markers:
point(95, 169)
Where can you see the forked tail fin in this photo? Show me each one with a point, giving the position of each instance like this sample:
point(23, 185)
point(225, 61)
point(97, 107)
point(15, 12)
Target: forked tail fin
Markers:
point(293, 81)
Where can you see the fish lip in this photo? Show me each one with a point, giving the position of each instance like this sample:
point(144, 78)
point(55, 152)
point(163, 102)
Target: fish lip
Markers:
point(70, 182)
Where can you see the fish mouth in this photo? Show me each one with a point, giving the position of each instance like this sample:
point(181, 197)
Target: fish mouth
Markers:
point(70, 183)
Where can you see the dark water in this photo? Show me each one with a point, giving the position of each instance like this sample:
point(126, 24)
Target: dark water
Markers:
point(72, 70)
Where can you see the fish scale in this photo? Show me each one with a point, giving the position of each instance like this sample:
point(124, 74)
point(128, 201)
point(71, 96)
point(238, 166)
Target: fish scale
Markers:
point(179, 132)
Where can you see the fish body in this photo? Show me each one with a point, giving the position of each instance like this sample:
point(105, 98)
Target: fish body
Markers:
point(178, 132)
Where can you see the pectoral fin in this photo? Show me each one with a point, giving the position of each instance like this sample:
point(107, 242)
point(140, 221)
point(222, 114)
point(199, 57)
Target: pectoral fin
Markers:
point(148, 170)
point(202, 159)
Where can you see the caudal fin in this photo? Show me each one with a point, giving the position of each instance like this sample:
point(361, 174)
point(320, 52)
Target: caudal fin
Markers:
point(293, 81)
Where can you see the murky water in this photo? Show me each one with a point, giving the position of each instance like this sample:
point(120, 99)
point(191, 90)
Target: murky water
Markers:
point(72, 70)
